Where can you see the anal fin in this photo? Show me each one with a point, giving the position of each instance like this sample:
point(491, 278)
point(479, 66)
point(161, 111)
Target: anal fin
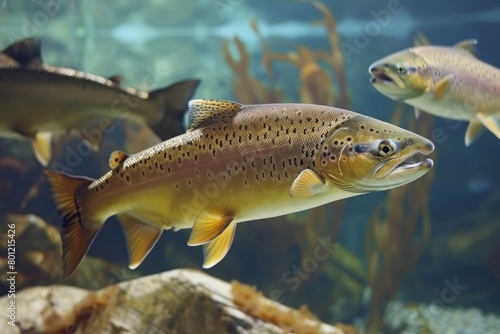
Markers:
point(208, 226)
point(474, 129)
point(42, 147)
point(307, 184)
point(417, 113)
point(141, 238)
point(491, 122)
point(215, 250)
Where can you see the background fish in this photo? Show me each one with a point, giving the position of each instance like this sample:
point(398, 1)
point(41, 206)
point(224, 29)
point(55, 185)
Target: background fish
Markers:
point(236, 163)
point(38, 100)
point(445, 81)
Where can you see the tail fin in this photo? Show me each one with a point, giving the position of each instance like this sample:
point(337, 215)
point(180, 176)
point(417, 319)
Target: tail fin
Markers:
point(174, 100)
point(76, 235)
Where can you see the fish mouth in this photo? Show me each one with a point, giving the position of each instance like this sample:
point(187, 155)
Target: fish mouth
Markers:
point(382, 77)
point(407, 165)
point(416, 161)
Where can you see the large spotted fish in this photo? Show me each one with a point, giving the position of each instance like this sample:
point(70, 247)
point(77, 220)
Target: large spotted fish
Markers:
point(450, 82)
point(236, 163)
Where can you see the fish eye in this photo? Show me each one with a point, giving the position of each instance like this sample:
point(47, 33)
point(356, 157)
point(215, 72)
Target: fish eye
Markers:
point(385, 148)
point(400, 68)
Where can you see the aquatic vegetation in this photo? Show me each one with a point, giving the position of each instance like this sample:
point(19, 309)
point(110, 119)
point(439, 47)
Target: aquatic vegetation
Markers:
point(315, 70)
point(398, 233)
point(253, 303)
point(82, 312)
point(246, 87)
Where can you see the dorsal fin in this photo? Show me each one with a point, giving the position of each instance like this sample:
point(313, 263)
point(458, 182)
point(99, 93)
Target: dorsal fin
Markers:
point(26, 51)
point(202, 111)
point(116, 159)
point(468, 45)
point(116, 79)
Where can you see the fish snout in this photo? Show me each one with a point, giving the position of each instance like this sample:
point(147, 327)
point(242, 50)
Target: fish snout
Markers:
point(427, 148)
point(378, 73)
point(373, 70)
point(422, 151)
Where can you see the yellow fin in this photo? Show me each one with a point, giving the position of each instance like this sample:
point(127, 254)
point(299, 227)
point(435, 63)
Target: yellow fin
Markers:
point(442, 87)
point(215, 251)
point(77, 234)
point(208, 226)
point(116, 159)
point(141, 238)
point(491, 122)
point(42, 147)
point(202, 111)
point(468, 45)
point(474, 129)
point(307, 184)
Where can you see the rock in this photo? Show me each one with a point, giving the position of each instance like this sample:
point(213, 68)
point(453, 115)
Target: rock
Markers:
point(177, 301)
point(38, 258)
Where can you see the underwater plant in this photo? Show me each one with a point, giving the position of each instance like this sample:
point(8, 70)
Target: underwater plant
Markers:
point(397, 233)
point(322, 80)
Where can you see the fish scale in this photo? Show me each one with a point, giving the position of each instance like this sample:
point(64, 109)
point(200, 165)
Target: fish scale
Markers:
point(236, 163)
point(210, 155)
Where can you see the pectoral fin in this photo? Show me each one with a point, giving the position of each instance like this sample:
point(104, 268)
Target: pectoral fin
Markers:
point(474, 129)
point(307, 184)
point(491, 122)
point(42, 147)
point(208, 226)
point(442, 87)
point(141, 238)
point(215, 250)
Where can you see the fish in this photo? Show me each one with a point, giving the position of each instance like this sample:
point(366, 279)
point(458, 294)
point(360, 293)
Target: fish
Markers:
point(236, 163)
point(449, 82)
point(39, 100)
